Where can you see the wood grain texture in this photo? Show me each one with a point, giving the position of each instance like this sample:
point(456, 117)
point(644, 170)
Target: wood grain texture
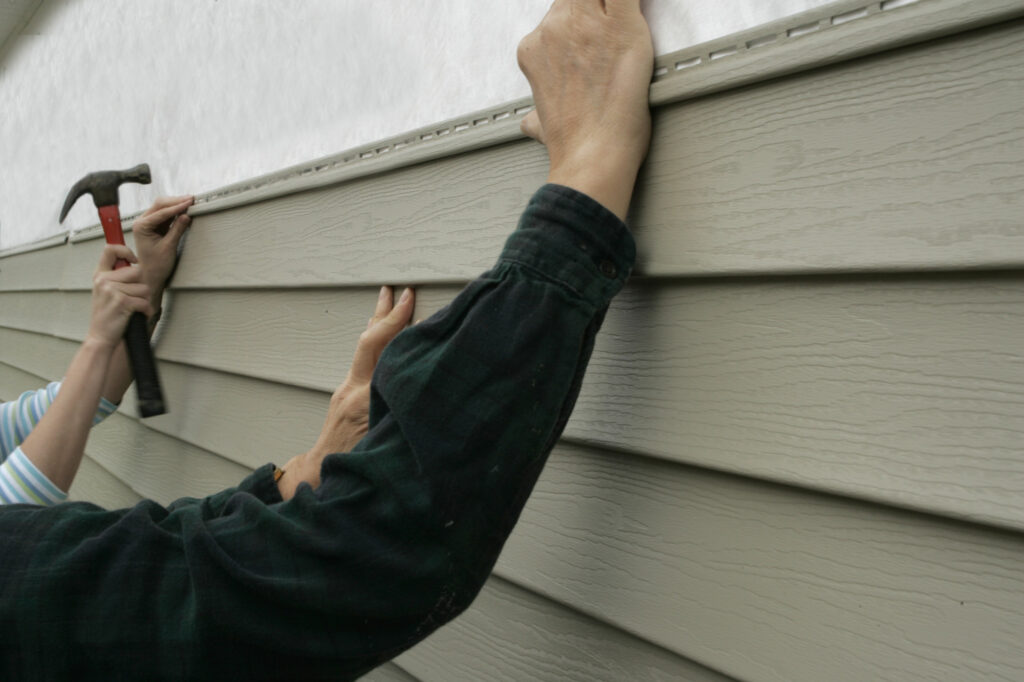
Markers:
point(157, 466)
point(246, 420)
point(905, 390)
point(906, 160)
point(767, 582)
point(95, 484)
point(689, 559)
point(67, 266)
point(510, 633)
point(40, 269)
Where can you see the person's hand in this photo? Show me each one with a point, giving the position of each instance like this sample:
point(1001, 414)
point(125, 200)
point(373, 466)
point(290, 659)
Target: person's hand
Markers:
point(348, 416)
point(116, 294)
point(589, 64)
point(157, 233)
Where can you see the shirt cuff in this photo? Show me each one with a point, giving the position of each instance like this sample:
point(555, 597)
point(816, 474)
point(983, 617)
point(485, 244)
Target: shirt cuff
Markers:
point(105, 409)
point(261, 485)
point(573, 239)
point(22, 483)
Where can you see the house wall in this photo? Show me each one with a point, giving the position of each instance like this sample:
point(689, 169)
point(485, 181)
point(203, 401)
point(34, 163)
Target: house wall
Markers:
point(214, 92)
point(797, 454)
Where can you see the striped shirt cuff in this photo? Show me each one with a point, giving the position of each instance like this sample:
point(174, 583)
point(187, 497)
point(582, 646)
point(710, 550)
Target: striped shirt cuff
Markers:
point(22, 483)
point(105, 409)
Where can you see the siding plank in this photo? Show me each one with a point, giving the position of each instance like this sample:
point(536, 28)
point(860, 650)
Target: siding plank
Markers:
point(903, 390)
point(246, 420)
point(858, 166)
point(95, 484)
point(766, 582)
point(157, 466)
point(689, 559)
point(512, 634)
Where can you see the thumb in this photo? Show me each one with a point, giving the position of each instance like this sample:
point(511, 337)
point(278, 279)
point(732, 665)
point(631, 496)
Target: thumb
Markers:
point(531, 127)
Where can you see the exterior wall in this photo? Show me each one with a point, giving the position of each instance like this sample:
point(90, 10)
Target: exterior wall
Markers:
point(797, 452)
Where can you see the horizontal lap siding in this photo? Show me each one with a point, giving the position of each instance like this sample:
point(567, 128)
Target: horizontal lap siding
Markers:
point(510, 633)
point(798, 583)
point(908, 160)
point(908, 390)
point(829, 401)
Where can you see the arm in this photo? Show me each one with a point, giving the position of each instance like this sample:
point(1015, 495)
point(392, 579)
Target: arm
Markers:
point(157, 234)
point(18, 417)
point(56, 444)
point(403, 529)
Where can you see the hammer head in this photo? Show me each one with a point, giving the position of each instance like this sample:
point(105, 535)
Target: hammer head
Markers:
point(102, 185)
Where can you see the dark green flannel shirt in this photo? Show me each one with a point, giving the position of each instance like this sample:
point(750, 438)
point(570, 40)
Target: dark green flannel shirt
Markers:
point(397, 540)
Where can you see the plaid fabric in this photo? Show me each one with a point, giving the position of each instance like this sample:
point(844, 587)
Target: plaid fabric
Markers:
point(396, 541)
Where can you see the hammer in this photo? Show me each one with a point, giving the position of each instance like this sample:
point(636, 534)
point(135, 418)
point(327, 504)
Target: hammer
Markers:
point(102, 185)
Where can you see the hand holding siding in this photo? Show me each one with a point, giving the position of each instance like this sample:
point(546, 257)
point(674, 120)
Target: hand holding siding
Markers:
point(348, 417)
point(589, 65)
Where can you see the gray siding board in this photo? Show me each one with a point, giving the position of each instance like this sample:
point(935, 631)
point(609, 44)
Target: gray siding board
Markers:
point(67, 266)
point(765, 582)
point(95, 484)
point(157, 466)
point(904, 390)
point(510, 633)
point(246, 420)
point(855, 167)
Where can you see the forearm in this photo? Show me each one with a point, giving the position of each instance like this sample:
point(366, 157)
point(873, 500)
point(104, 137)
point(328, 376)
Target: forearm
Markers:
point(606, 175)
point(56, 444)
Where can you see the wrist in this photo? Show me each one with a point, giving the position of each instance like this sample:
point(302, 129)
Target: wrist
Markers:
point(99, 345)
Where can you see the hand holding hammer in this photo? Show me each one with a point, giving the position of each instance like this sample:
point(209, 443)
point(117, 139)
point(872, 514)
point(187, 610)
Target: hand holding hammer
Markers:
point(103, 186)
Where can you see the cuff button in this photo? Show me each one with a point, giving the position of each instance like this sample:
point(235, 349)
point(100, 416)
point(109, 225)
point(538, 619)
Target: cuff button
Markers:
point(608, 269)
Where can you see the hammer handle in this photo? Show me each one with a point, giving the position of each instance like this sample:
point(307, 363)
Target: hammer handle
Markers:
point(140, 357)
point(136, 335)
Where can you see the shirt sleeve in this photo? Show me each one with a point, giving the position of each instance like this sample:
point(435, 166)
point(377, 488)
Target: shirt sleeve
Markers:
point(18, 417)
point(399, 536)
point(22, 483)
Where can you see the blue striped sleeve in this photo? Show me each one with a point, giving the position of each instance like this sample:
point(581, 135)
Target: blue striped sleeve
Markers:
point(18, 417)
point(22, 483)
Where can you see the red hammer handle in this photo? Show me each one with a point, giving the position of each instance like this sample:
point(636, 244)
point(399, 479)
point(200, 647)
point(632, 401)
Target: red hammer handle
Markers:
point(136, 335)
point(110, 219)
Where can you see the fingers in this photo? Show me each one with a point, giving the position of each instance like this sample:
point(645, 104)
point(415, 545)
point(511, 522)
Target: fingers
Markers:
point(164, 202)
point(113, 253)
point(389, 319)
point(178, 227)
point(158, 216)
point(385, 302)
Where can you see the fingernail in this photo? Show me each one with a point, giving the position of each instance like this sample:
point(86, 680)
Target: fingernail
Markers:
point(406, 295)
point(383, 294)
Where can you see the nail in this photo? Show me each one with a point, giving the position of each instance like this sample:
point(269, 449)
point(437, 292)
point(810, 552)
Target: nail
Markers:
point(406, 295)
point(383, 293)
